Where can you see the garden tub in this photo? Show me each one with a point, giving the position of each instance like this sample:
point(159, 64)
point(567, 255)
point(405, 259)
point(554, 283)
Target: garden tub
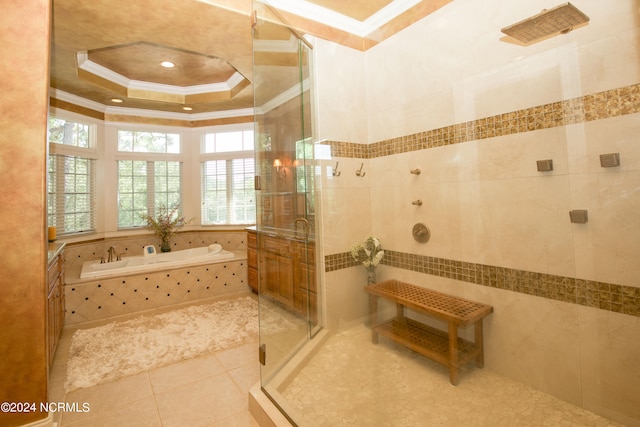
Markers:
point(155, 262)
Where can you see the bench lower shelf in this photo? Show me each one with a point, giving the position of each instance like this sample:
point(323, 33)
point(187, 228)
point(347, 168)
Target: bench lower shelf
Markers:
point(445, 348)
point(430, 342)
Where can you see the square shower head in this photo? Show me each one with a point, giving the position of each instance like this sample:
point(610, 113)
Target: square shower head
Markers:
point(550, 22)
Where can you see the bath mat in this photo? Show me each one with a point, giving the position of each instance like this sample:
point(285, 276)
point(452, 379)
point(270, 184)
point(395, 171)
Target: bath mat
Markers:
point(120, 349)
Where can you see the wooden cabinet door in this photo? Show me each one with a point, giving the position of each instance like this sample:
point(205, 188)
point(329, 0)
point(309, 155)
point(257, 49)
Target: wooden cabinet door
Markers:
point(285, 280)
point(269, 272)
point(276, 272)
point(306, 298)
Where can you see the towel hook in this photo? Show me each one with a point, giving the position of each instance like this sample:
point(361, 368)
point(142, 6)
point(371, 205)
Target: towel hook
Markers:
point(335, 170)
point(359, 171)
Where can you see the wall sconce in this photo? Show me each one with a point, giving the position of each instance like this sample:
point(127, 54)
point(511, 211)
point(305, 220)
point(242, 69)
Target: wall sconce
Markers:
point(277, 163)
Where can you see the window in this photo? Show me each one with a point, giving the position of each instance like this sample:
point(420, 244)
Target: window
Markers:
point(68, 133)
point(227, 171)
point(148, 142)
point(71, 177)
point(145, 184)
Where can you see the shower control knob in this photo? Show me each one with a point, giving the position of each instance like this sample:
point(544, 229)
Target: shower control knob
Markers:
point(421, 233)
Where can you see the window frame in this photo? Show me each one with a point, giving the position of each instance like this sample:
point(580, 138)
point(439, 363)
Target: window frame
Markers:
point(150, 158)
point(57, 152)
point(228, 157)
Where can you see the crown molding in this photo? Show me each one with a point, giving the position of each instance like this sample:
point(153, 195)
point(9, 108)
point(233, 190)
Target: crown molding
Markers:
point(334, 19)
point(137, 112)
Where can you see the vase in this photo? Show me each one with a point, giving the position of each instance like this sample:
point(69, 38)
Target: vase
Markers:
point(371, 275)
point(165, 246)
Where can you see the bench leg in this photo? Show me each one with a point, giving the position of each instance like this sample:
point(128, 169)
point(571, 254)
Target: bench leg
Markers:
point(479, 343)
point(453, 353)
point(373, 317)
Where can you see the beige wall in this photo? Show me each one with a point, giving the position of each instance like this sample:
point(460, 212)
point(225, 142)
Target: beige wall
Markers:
point(23, 110)
point(484, 200)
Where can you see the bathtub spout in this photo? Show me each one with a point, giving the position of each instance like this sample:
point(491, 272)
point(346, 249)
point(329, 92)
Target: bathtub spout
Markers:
point(112, 250)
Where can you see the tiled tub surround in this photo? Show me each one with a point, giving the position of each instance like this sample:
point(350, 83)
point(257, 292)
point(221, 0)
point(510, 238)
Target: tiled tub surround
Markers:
point(77, 253)
point(97, 299)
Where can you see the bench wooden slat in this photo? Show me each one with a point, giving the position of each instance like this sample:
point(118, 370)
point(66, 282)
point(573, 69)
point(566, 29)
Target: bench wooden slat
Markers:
point(446, 307)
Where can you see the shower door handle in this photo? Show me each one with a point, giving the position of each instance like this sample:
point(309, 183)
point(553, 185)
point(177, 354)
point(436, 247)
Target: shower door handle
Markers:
point(305, 228)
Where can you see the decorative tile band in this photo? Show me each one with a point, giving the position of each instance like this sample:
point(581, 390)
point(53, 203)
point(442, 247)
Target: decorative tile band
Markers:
point(602, 105)
point(605, 296)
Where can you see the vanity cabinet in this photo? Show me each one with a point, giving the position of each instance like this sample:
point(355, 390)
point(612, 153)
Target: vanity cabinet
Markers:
point(55, 302)
point(275, 269)
point(280, 268)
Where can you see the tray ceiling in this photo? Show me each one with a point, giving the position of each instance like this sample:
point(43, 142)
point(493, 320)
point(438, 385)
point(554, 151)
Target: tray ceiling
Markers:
point(112, 49)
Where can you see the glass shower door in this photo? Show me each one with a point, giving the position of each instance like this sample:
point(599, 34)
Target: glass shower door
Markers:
point(284, 196)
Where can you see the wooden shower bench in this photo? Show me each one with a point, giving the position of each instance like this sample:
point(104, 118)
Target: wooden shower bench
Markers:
point(445, 348)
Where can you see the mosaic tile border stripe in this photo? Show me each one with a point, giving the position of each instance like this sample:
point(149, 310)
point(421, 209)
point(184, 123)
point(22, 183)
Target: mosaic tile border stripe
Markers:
point(602, 105)
point(605, 296)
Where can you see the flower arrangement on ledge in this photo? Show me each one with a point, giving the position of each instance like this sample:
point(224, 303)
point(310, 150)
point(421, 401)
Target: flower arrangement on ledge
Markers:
point(165, 224)
point(369, 253)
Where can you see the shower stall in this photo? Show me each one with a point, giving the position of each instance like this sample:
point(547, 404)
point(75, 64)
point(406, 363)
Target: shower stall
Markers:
point(524, 158)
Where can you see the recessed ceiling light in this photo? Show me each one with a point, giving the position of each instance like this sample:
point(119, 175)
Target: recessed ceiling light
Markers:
point(187, 108)
point(117, 100)
point(167, 64)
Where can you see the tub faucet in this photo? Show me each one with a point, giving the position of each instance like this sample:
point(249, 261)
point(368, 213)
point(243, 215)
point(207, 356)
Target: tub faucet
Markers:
point(112, 250)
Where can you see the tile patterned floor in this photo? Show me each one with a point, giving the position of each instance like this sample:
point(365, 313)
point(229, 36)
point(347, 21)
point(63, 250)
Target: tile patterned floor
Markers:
point(210, 390)
point(389, 385)
point(349, 381)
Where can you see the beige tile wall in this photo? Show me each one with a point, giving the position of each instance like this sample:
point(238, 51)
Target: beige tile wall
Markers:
point(520, 208)
point(474, 112)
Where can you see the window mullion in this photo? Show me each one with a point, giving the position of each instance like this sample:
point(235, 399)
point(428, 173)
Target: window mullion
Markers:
point(229, 190)
point(60, 193)
point(151, 188)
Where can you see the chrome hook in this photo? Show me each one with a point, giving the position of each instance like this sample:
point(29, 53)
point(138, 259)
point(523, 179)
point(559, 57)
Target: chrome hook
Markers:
point(359, 171)
point(335, 170)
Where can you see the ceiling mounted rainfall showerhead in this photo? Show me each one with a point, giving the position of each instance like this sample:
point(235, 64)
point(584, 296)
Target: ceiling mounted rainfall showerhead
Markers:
point(550, 22)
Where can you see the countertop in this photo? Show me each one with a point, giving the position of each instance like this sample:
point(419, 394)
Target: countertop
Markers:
point(54, 250)
point(284, 233)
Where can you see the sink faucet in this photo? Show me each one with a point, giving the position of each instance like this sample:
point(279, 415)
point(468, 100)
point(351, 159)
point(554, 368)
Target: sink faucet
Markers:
point(112, 250)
